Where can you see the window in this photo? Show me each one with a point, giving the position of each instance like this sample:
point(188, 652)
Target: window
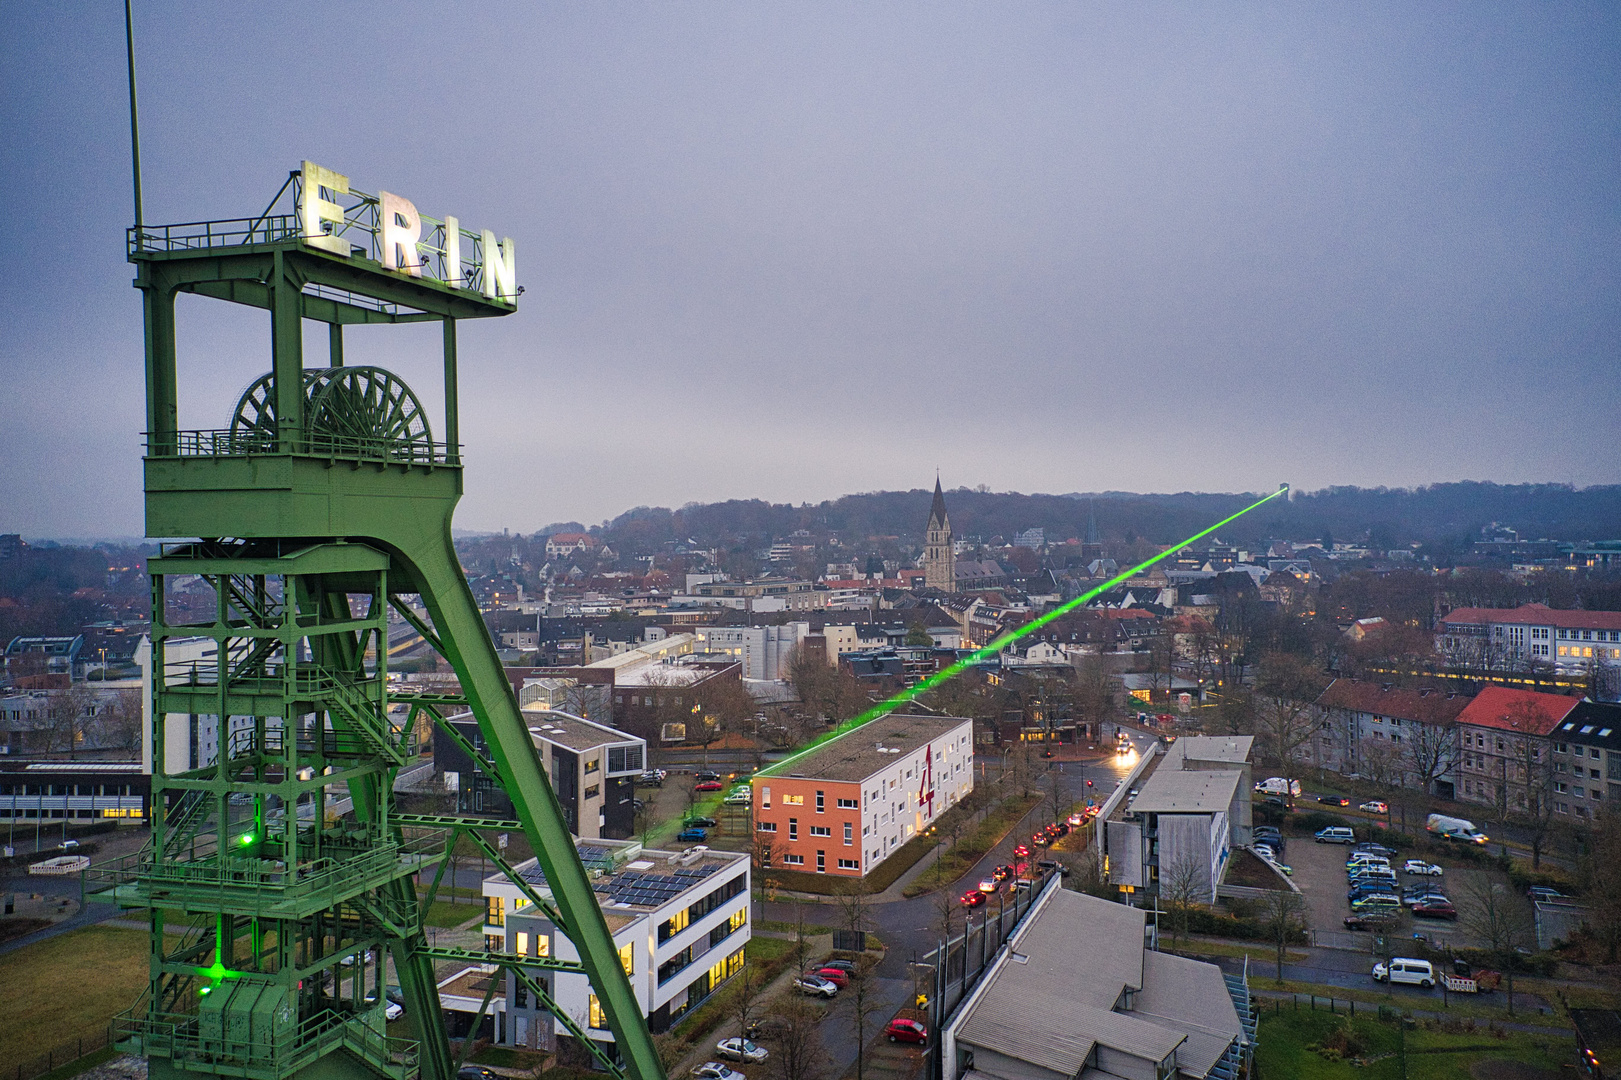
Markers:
point(849, 864)
point(624, 759)
point(593, 765)
point(820, 830)
point(494, 913)
point(821, 862)
point(674, 964)
point(793, 800)
point(793, 828)
point(821, 802)
point(593, 791)
point(765, 798)
point(627, 957)
point(673, 926)
point(523, 943)
point(543, 945)
point(794, 860)
point(848, 804)
point(848, 834)
point(597, 1021)
point(766, 826)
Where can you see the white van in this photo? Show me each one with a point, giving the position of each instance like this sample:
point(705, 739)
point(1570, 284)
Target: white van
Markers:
point(1336, 834)
point(1402, 969)
point(1366, 858)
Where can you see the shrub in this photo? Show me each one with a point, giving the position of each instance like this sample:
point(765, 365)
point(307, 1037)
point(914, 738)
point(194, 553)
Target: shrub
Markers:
point(1317, 820)
point(1523, 877)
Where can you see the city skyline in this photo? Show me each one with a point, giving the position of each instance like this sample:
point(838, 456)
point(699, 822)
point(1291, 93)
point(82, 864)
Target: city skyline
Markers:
point(795, 253)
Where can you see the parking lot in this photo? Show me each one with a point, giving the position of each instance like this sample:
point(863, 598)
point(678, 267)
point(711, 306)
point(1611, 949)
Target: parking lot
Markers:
point(1319, 871)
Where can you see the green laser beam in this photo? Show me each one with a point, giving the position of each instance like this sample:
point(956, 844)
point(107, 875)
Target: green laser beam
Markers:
point(998, 644)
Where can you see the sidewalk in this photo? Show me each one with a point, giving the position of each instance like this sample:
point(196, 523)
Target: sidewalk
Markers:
point(704, 1050)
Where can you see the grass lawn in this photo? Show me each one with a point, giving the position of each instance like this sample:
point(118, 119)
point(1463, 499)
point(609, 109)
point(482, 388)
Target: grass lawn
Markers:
point(780, 927)
point(1481, 1006)
point(1429, 1052)
point(444, 914)
point(765, 950)
point(68, 986)
point(1257, 953)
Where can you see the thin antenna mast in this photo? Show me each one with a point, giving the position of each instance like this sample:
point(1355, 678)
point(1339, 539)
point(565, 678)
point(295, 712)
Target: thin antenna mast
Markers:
point(134, 122)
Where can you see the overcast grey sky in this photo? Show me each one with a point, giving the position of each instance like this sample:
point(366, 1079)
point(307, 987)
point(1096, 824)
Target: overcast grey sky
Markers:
point(794, 251)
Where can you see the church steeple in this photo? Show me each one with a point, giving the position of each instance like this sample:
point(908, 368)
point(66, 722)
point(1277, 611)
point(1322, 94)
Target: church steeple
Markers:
point(939, 556)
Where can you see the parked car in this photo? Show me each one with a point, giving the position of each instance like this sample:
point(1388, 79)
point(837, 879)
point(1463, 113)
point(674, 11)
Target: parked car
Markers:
point(1544, 894)
point(1335, 834)
point(766, 1027)
point(1404, 969)
point(1334, 800)
point(973, 898)
point(1377, 902)
point(1419, 866)
point(739, 797)
point(706, 774)
point(1369, 921)
point(714, 1070)
point(741, 1050)
point(1414, 893)
point(987, 885)
point(837, 976)
point(846, 966)
point(708, 785)
point(1366, 858)
point(391, 1010)
point(651, 778)
point(1435, 907)
point(1374, 849)
point(700, 822)
point(691, 835)
point(901, 1029)
point(475, 1072)
point(1374, 806)
point(815, 986)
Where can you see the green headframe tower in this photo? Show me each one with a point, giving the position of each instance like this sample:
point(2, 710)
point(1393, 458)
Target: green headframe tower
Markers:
point(292, 530)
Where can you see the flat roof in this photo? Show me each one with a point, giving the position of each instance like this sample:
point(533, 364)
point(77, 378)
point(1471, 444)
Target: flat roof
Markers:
point(1187, 791)
point(572, 732)
point(855, 754)
point(648, 881)
point(1230, 748)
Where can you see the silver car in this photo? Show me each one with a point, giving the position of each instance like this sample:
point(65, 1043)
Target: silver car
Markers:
point(741, 1050)
point(815, 985)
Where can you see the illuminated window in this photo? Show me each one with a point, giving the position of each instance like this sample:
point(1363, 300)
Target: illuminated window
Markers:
point(494, 914)
point(597, 1021)
point(794, 800)
point(627, 958)
point(593, 765)
point(543, 945)
point(523, 943)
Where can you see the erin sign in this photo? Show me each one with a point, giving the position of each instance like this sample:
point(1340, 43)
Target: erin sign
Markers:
point(401, 238)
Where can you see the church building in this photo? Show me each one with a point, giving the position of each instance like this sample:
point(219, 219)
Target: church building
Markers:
point(939, 557)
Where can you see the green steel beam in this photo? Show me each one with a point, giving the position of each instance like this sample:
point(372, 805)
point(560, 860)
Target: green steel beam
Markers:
point(477, 956)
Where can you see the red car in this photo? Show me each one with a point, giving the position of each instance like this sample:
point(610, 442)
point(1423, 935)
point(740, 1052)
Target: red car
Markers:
point(973, 898)
point(1021, 852)
point(1436, 909)
point(901, 1029)
point(837, 976)
point(708, 785)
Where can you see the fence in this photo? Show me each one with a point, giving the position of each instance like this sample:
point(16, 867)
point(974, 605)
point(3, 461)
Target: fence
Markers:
point(58, 1056)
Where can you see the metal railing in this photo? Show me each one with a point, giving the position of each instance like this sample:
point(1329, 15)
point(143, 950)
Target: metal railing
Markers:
point(205, 235)
point(264, 883)
point(235, 443)
point(178, 1036)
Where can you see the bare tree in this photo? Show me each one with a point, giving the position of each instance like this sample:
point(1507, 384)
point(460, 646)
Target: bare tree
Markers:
point(799, 1053)
point(863, 1003)
point(1500, 917)
point(1284, 716)
point(747, 995)
point(1380, 761)
point(68, 712)
point(1283, 914)
point(1603, 871)
point(1181, 886)
point(1429, 751)
point(763, 854)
